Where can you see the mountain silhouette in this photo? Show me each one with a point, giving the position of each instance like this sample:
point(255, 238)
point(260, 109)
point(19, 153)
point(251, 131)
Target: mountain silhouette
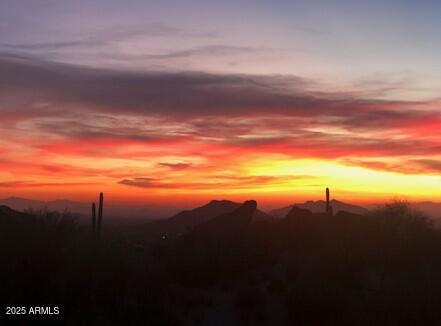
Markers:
point(187, 220)
point(7, 214)
point(298, 212)
point(59, 205)
point(84, 208)
point(319, 206)
point(237, 220)
point(21, 204)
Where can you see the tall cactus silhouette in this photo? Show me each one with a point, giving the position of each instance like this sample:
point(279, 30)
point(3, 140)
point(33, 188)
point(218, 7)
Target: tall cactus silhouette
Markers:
point(328, 205)
point(93, 219)
point(100, 214)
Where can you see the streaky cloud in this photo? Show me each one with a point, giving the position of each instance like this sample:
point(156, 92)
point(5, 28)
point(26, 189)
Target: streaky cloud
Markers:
point(41, 87)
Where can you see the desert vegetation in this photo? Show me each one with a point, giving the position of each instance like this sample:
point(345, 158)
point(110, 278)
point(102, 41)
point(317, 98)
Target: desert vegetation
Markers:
point(304, 269)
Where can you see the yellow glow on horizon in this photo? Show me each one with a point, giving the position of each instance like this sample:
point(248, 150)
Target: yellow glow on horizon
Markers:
point(345, 179)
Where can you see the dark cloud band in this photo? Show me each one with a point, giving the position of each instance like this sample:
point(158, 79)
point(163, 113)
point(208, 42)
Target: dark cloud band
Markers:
point(40, 87)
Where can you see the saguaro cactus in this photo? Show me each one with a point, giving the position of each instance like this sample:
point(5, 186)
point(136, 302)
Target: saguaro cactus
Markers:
point(100, 214)
point(93, 219)
point(328, 205)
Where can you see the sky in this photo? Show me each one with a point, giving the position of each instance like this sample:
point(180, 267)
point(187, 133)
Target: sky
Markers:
point(180, 102)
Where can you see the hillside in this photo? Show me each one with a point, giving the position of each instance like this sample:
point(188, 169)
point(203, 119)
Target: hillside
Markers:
point(319, 206)
point(186, 220)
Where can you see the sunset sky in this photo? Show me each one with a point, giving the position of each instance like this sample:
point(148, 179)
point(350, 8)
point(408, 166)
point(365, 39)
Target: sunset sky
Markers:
point(175, 102)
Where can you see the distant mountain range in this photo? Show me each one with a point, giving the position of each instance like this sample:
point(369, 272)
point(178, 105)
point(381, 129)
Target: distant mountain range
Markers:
point(61, 205)
point(432, 209)
point(22, 204)
point(319, 206)
point(189, 218)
